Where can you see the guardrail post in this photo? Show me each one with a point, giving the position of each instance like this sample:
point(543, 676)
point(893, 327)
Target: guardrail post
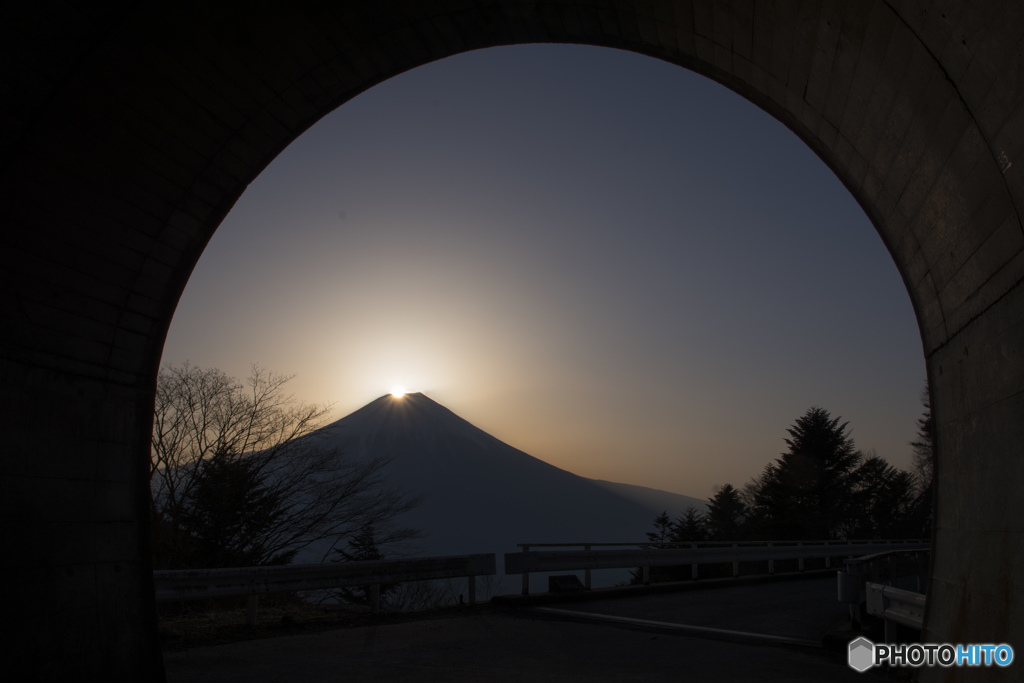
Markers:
point(888, 570)
point(375, 598)
point(586, 573)
point(828, 558)
point(526, 575)
point(855, 609)
point(890, 631)
point(849, 593)
point(693, 567)
point(800, 560)
point(251, 608)
point(735, 565)
point(472, 590)
point(647, 576)
point(771, 563)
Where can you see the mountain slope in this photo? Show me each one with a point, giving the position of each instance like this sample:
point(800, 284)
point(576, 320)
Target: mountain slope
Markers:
point(655, 500)
point(482, 495)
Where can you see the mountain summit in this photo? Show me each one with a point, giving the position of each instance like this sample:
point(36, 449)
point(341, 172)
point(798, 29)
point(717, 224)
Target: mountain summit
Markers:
point(482, 495)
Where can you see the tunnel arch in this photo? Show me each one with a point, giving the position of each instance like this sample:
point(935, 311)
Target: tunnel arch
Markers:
point(132, 130)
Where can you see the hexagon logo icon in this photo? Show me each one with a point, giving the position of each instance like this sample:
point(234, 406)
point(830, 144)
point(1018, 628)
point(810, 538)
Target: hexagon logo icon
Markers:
point(861, 654)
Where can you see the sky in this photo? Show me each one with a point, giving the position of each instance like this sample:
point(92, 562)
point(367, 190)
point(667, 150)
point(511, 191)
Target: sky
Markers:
point(607, 261)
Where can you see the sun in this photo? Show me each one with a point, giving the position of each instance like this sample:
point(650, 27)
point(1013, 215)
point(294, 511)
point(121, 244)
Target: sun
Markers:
point(398, 392)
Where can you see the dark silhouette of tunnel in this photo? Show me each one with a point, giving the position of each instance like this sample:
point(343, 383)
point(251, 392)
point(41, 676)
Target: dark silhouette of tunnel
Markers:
point(130, 129)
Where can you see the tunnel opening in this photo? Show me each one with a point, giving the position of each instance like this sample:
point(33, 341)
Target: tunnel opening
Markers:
point(428, 186)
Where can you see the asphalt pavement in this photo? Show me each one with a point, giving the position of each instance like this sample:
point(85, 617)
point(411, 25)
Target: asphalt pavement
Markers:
point(799, 611)
point(532, 644)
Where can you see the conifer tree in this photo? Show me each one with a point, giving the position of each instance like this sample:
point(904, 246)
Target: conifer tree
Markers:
point(227, 514)
point(662, 528)
point(924, 446)
point(883, 497)
point(726, 515)
point(919, 522)
point(690, 527)
point(807, 493)
point(361, 547)
point(757, 496)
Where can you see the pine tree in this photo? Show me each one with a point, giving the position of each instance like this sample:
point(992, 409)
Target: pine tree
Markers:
point(924, 445)
point(227, 514)
point(919, 522)
point(691, 527)
point(662, 529)
point(726, 515)
point(883, 497)
point(758, 497)
point(361, 547)
point(807, 493)
point(663, 533)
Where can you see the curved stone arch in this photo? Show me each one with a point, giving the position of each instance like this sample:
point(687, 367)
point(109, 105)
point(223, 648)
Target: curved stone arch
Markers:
point(133, 130)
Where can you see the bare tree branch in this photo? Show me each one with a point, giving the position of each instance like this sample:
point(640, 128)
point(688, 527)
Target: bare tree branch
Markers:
point(323, 494)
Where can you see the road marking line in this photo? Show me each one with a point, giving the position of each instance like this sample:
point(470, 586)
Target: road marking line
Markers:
point(682, 627)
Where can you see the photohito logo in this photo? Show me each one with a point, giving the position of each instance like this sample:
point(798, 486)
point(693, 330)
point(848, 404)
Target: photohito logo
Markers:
point(863, 654)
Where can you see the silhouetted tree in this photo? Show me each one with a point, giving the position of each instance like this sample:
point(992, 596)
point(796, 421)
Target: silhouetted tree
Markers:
point(662, 529)
point(361, 547)
point(821, 488)
point(662, 533)
point(882, 499)
point(726, 515)
point(921, 513)
point(229, 515)
point(756, 495)
point(690, 527)
point(221, 448)
point(399, 597)
point(807, 493)
point(924, 445)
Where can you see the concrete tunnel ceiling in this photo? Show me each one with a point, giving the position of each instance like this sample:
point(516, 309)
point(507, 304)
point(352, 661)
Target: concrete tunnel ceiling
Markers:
point(130, 130)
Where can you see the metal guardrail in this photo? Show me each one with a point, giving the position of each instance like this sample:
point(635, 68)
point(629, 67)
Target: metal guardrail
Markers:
point(896, 606)
point(887, 567)
point(193, 584)
point(652, 554)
